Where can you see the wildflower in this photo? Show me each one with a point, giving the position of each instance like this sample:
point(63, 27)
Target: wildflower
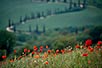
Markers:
point(54, 55)
point(99, 43)
point(33, 53)
point(85, 54)
point(46, 62)
point(28, 51)
point(25, 50)
point(47, 47)
point(98, 46)
point(49, 51)
point(11, 60)
point(89, 61)
point(90, 49)
point(41, 48)
point(88, 42)
point(14, 51)
point(35, 48)
point(36, 56)
point(57, 51)
point(19, 57)
point(62, 51)
point(77, 46)
point(4, 57)
point(45, 55)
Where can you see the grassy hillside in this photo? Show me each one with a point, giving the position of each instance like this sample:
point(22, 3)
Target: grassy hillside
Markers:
point(89, 16)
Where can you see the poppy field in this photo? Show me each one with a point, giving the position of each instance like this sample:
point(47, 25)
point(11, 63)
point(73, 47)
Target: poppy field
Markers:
point(85, 55)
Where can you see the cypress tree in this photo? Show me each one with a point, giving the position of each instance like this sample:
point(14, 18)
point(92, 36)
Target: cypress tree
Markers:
point(70, 4)
point(65, 1)
point(30, 29)
point(78, 3)
point(44, 29)
point(9, 22)
point(84, 3)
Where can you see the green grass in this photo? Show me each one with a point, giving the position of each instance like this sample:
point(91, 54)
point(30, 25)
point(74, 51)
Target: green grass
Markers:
point(89, 16)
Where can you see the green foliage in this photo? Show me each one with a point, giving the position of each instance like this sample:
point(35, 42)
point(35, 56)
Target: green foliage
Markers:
point(2, 52)
point(62, 42)
point(7, 40)
point(95, 33)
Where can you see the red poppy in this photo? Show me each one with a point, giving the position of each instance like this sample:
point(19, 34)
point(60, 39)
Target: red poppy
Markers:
point(41, 50)
point(62, 51)
point(28, 51)
point(88, 42)
point(35, 48)
point(11, 60)
point(98, 46)
point(90, 49)
point(4, 57)
point(99, 43)
point(33, 53)
point(85, 54)
point(46, 62)
point(25, 50)
point(89, 61)
point(14, 51)
point(41, 47)
point(49, 51)
point(57, 51)
point(77, 46)
point(47, 47)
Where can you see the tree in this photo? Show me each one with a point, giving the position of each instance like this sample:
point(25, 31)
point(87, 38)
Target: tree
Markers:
point(70, 4)
point(44, 29)
point(65, 1)
point(7, 40)
point(78, 3)
point(53, 0)
point(32, 15)
point(30, 29)
point(9, 22)
point(84, 3)
point(95, 33)
point(47, 0)
point(20, 19)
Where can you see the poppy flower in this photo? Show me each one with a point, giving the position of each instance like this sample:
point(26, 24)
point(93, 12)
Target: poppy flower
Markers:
point(98, 46)
point(47, 47)
point(41, 47)
point(88, 42)
point(36, 56)
point(85, 54)
point(35, 48)
point(57, 51)
point(14, 51)
point(11, 60)
point(90, 49)
point(62, 51)
point(25, 50)
point(77, 46)
point(49, 51)
point(46, 62)
point(99, 43)
point(89, 61)
point(4, 57)
point(28, 51)
point(19, 57)
point(33, 53)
